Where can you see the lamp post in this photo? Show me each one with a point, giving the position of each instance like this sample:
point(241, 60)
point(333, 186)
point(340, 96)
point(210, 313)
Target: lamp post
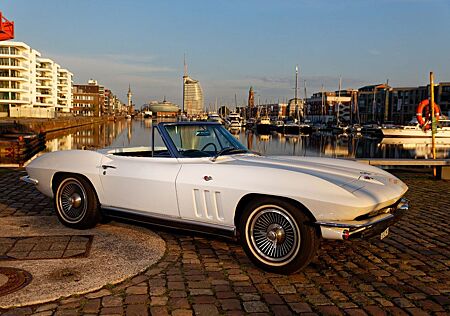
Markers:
point(433, 118)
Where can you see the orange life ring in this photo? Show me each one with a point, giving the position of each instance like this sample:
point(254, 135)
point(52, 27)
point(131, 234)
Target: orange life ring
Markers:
point(425, 120)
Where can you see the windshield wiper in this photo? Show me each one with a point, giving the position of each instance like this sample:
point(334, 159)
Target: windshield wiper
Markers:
point(227, 151)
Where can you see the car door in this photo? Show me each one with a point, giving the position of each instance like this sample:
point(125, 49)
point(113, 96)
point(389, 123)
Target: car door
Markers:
point(206, 193)
point(143, 184)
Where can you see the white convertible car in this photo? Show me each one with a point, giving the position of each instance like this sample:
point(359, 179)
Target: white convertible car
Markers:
point(200, 178)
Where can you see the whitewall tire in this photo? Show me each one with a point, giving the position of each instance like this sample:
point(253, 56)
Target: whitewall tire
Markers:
point(76, 203)
point(277, 236)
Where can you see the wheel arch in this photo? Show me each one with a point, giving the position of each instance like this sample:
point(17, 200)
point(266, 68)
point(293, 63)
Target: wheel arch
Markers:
point(58, 176)
point(248, 198)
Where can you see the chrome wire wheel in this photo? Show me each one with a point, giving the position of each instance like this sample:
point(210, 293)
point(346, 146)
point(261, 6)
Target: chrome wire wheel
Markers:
point(273, 235)
point(71, 200)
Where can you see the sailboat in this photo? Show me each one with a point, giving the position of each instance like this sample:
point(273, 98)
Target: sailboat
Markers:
point(291, 127)
point(339, 127)
point(304, 127)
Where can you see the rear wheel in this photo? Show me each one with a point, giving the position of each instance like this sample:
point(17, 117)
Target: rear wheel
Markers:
point(76, 203)
point(277, 236)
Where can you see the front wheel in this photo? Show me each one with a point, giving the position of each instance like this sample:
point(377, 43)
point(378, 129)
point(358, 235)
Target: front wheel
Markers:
point(76, 203)
point(277, 236)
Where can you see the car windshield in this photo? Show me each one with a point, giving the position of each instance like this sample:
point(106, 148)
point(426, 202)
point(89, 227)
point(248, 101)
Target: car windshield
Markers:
point(203, 140)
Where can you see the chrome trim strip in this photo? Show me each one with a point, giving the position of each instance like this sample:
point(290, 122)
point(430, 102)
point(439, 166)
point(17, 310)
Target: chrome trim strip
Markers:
point(27, 179)
point(178, 220)
point(167, 140)
point(357, 224)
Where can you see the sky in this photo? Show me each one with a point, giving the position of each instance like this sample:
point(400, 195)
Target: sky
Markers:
point(231, 45)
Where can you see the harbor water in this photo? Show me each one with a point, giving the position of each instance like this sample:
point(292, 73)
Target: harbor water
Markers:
point(130, 133)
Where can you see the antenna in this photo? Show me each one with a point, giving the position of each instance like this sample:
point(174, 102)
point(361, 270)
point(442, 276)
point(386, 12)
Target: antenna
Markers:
point(185, 65)
point(296, 83)
point(304, 102)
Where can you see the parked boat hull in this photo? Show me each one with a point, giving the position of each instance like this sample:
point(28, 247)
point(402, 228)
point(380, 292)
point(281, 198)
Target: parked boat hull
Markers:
point(416, 132)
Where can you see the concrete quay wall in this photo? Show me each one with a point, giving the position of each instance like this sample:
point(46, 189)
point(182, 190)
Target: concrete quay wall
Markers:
point(50, 125)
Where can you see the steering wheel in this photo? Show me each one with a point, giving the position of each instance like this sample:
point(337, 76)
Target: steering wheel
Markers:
point(209, 144)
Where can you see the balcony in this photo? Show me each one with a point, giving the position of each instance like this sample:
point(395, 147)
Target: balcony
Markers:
point(21, 89)
point(44, 77)
point(14, 78)
point(17, 55)
point(13, 67)
point(13, 98)
point(43, 95)
point(43, 86)
point(43, 69)
point(45, 104)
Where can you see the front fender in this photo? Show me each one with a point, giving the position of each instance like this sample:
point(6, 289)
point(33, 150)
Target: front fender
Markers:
point(83, 162)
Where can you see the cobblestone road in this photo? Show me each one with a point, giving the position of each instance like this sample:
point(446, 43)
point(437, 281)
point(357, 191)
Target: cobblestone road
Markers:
point(407, 273)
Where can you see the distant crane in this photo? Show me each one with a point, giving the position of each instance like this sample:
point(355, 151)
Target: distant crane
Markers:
point(6, 28)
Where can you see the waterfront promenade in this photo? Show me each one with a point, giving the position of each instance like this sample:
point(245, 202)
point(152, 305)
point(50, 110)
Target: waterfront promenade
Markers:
point(406, 274)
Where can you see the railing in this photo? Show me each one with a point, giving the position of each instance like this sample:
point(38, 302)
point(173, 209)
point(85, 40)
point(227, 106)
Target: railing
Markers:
point(442, 165)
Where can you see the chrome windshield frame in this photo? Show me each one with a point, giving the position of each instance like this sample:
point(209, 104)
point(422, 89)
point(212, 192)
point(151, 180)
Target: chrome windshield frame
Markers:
point(161, 127)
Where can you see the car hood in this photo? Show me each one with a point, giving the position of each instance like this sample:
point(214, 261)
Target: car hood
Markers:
point(345, 173)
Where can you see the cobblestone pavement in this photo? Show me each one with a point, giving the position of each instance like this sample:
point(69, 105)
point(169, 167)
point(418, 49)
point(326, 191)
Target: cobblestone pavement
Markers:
point(406, 273)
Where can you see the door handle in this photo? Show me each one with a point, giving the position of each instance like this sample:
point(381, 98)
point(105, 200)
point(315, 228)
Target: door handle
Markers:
point(108, 166)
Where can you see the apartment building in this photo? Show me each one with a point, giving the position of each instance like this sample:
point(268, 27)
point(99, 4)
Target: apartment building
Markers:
point(64, 90)
point(377, 103)
point(87, 99)
point(29, 83)
point(16, 62)
point(46, 83)
point(443, 97)
point(326, 106)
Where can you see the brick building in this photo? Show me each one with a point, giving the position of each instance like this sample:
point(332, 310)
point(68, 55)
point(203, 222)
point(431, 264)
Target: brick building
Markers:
point(88, 99)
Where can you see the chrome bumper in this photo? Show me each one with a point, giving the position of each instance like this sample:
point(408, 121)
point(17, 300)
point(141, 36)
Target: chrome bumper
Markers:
point(365, 228)
point(27, 179)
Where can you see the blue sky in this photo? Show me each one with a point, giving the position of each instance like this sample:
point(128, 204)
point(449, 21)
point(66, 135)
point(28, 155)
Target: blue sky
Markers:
point(232, 45)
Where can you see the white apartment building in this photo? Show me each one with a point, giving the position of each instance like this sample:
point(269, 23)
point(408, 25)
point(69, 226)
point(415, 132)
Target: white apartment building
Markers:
point(29, 83)
point(16, 60)
point(64, 103)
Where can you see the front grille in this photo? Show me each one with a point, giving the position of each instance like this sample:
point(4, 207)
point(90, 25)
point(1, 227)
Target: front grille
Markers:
point(386, 210)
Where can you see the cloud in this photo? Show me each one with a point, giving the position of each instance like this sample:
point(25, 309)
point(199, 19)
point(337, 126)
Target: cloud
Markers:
point(116, 71)
point(109, 64)
point(374, 52)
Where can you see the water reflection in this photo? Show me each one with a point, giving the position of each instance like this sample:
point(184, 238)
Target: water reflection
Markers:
point(85, 137)
point(138, 133)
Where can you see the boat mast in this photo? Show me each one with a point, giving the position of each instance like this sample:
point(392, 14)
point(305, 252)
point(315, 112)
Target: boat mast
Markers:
point(296, 88)
point(339, 101)
point(184, 79)
point(322, 111)
point(386, 102)
point(357, 107)
point(304, 101)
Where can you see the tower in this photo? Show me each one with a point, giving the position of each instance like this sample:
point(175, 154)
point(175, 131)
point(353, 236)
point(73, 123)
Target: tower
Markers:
point(251, 98)
point(192, 95)
point(130, 103)
point(251, 103)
